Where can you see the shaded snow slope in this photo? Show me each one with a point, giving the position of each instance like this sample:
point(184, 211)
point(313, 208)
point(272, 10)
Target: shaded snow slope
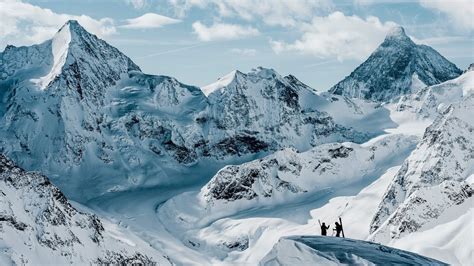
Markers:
point(433, 179)
point(397, 67)
point(38, 226)
point(305, 250)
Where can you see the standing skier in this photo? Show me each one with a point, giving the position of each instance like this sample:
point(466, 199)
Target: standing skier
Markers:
point(324, 229)
point(338, 229)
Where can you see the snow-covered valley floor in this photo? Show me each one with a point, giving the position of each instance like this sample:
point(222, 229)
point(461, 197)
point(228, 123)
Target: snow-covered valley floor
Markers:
point(256, 229)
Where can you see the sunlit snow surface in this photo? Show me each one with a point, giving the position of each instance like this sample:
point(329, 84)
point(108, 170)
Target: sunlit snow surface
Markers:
point(306, 250)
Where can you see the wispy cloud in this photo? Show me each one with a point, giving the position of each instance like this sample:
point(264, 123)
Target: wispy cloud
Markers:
point(271, 12)
point(223, 31)
point(321, 63)
point(170, 51)
point(149, 21)
point(244, 52)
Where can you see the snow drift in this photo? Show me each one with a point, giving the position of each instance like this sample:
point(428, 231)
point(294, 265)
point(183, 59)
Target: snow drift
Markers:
point(313, 250)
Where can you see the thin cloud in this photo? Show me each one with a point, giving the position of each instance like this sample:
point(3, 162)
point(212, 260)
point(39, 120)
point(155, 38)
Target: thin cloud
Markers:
point(244, 52)
point(172, 51)
point(321, 63)
point(271, 12)
point(149, 21)
point(223, 31)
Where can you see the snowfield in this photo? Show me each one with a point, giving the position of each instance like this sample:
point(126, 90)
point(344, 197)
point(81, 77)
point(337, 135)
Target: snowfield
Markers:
point(300, 250)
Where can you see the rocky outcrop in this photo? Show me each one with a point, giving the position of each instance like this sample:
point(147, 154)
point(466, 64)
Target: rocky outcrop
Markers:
point(433, 178)
point(289, 173)
point(38, 225)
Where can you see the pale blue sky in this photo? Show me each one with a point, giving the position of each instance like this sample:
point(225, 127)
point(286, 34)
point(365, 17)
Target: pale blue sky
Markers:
point(318, 41)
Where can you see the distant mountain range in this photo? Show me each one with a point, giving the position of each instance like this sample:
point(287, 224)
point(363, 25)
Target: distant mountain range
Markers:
point(259, 151)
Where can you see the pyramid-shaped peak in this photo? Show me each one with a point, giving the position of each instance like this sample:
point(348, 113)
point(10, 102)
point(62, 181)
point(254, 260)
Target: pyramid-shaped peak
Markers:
point(73, 27)
point(397, 33)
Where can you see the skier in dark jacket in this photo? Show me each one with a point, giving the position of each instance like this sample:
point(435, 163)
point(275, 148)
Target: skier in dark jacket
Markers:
point(338, 229)
point(324, 229)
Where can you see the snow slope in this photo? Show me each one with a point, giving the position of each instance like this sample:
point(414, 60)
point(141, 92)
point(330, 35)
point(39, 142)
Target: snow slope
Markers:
point(432, 192)
point(282, 178)
point(311, 250)
point(427, 102)
point(38, 226)
point(397, 67)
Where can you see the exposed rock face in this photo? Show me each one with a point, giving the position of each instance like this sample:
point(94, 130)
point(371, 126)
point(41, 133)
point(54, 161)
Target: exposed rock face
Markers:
point(263, 110)
point(397, 67)
point(433, 177)
point(37, 220)
point(289, 173)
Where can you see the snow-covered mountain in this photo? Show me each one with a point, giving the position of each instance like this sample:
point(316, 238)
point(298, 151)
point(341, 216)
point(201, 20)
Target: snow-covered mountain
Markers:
point(38, 226)
point(276, 111)
point(257, 156)
point(77, 107)
point(436, 177)
point(397, 67)
point(314, 250)
point(428, 101)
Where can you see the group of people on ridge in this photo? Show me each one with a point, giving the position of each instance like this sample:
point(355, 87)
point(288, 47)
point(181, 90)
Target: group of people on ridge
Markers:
point(338, 229)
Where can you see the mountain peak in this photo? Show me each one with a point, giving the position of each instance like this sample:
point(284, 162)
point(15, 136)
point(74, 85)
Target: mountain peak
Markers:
point(397, 67)
point(73, 28)
point(221, 82)
point(263, 72)
point(397, 33)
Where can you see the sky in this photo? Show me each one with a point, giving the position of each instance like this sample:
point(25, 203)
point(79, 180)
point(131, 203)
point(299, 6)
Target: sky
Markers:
point(197, 41)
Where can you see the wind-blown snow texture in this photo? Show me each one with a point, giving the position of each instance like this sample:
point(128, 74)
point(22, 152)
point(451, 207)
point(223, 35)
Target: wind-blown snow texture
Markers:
point(314, 250)
point(397, 67)
point(39, 226)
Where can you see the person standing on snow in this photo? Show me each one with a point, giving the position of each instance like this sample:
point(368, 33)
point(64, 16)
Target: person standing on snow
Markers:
point(338, 229)
point(324, 229)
